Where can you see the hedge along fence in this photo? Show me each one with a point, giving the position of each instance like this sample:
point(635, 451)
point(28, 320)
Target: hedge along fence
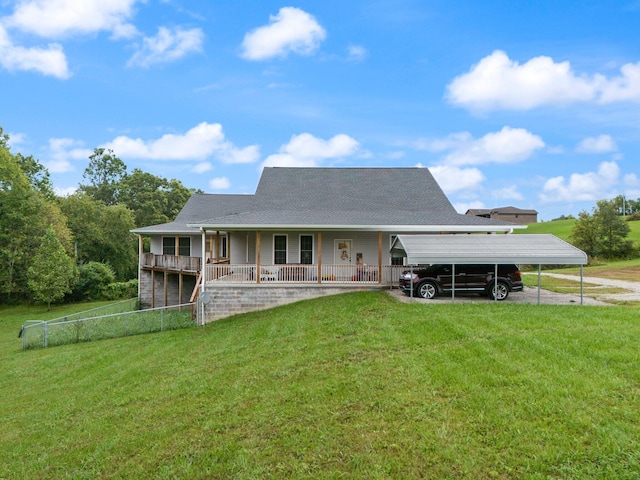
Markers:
point(85, 328)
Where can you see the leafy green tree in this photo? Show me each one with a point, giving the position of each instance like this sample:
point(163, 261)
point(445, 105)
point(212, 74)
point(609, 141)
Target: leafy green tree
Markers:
point(52, 272)
point(25, 215)
point(153, 199)
point(603, 232)
point(613, 231)
point(104, 173)
point(102, 234)
point(4, 139)
point(585, 234)
point(37, 174)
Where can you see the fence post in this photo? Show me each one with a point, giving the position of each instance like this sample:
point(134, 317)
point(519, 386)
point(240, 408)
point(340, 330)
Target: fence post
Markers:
point(44, 334)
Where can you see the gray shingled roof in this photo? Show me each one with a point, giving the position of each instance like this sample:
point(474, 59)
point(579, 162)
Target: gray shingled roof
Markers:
point(328, 198)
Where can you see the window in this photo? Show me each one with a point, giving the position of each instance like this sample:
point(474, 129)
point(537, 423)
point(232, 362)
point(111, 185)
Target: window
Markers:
point(279, 249)
point(306, 249)
point(169, 246)
point(223, 247)
point(184, 246)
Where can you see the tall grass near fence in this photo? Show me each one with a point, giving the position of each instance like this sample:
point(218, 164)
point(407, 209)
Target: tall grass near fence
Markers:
point(97, 324)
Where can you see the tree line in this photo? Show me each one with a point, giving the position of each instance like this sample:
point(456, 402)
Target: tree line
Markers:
point(78, 246)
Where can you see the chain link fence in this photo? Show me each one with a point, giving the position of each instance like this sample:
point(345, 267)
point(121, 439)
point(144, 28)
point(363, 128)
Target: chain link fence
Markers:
point(98, 325)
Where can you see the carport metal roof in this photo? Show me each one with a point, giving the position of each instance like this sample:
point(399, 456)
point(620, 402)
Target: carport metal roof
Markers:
point(530, 249)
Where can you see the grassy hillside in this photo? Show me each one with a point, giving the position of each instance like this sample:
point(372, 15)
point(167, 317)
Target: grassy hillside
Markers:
point(352, 386)
point(560, 228)
point(563, 228)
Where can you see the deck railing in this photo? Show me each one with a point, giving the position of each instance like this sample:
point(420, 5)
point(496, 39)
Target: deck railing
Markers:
point(170, 262)
point(293, 273)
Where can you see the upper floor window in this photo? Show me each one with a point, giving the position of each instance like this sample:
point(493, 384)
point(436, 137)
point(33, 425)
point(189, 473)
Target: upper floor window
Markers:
point(169, 246)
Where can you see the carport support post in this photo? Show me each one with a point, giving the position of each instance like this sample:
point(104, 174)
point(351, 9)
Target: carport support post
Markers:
point(495, 283)
point(453, 282)
point(539, 273)
point(411, 282)
point(581, 281)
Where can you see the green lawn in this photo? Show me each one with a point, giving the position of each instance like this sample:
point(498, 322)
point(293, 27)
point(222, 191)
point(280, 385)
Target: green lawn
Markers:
point(351, 386)
point(563, 228)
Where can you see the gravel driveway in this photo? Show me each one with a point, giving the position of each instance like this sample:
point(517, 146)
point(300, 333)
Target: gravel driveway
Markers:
point(530, 294)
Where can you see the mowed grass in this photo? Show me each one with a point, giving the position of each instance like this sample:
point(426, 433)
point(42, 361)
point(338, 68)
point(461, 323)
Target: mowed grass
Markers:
point(350, 386)
point(564, 228)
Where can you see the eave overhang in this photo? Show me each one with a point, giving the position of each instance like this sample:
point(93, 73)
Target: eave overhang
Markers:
point(365, 228)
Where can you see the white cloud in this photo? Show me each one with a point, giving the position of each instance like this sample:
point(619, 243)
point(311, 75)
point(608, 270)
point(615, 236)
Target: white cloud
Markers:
point(201, 142)
point(357, 53)
point(50, 61)
point(507, 193)
point(631, 184)
point(624, 88)
point(62, 151)
point(219, 183)
point(499, 83)
point(231, 154)
point(291, 30)
point(167, 46)
point(509, 145)
point(202, 167)
point(454, 179)
point(590, 186)
point(599, 144)
point(16, 139)
point(305, 150)
point(60, 18)
point(64, 192)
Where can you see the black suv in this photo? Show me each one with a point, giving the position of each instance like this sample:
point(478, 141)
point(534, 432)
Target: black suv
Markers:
point(427, 282)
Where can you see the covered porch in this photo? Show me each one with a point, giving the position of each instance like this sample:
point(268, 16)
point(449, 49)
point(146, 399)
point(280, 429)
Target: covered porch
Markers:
point(300, 256)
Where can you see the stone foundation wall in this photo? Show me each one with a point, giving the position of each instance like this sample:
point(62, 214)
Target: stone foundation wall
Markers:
point(227, 300)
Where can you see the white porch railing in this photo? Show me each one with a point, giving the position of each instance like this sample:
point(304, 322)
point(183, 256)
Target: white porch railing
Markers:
point(289, 273)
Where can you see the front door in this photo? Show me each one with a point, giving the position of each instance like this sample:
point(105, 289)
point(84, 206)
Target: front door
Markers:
point(342, 252)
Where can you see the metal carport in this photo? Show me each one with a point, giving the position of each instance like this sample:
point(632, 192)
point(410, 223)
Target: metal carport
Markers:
point(521, 249)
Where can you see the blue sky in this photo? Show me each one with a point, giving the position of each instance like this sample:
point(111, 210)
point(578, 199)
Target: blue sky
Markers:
point(531, 104)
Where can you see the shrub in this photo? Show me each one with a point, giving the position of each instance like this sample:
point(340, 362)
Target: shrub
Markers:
point(93, 281)
point(121, 290)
